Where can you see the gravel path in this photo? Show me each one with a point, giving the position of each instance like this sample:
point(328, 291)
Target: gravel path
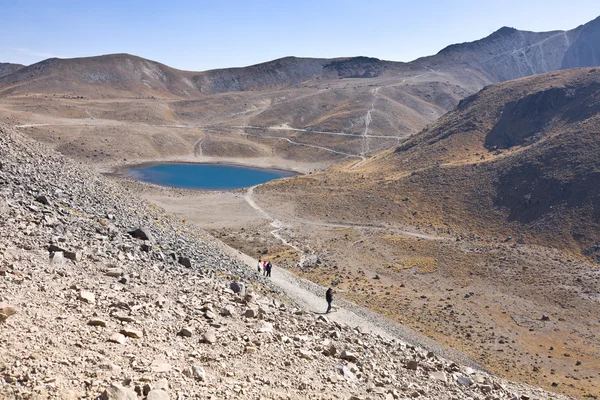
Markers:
point(309, 296)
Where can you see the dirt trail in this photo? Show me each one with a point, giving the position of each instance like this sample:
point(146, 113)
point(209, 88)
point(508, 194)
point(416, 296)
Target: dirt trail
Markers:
point(279, 225)
point(311, 297)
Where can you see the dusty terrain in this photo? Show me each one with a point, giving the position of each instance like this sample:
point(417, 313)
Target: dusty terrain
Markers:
point(486, 298)
point(407, 235)
point(481, 232)
point(93, 307)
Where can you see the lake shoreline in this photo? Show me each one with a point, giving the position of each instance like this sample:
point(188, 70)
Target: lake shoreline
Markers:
point(201, 176)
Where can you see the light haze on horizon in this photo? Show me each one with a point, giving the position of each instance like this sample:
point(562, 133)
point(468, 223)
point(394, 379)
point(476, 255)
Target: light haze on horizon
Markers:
point(201, 35)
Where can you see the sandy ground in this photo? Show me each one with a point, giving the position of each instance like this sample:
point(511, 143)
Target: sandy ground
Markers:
point(485, 300)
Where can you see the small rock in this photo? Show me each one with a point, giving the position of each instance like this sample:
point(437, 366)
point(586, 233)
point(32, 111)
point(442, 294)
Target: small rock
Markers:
point(117, 392)
point(42, 199)
point(251, 313)
point(117, 338)
point(185, 332)
point(348, 355)
point(87, 297)
point(132, 333)
point(266, 327)
point(227, 311)
point(210, 315)
point(305, 354)
point(185, 261)
point(6, 311)
point(463, 380)
point(114, 272)
point(157, 394)
point(330, 350)
point(57, 258)
point(237, 287)
point(142, 233)
point(160, 366)
point(439, 375)
point(198, 373)
point(412, 364)
point(97, 322)
point(209, 337)
point(162, 384)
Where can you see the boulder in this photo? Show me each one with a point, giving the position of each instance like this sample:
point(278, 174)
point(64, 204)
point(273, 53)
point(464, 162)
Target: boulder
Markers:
point(185, 261)
point(348, 355)
point(6, 311)
point(412, 364)
point(141, 233)
point(251, 313)
point(87, 297)
point(237, 287)
point(117, 338)
point(198, 373)
point(209, 337)
point(157, 394)
point(71, 255)
point(185, 332)
point(117, 392)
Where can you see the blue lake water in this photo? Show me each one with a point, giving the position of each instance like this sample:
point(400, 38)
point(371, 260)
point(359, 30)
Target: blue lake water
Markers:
point(205, 176)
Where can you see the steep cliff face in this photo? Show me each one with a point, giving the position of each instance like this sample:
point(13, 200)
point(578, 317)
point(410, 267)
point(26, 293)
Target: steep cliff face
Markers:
point(585, 50)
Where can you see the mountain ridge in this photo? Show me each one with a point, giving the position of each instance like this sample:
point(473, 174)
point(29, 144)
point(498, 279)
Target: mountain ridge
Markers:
point(516, 54)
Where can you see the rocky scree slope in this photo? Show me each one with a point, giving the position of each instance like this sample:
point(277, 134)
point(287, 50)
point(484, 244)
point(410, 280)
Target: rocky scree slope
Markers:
point(93, 306)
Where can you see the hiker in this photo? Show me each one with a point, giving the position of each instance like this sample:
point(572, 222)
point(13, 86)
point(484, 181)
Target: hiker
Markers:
point(269, 267)
point(265, 268)
point(329, 298)
point(259, 265)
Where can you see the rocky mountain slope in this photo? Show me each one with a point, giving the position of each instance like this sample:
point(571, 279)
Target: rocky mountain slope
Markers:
point(8, 68)
point(516, 159)
point(283, 108)
point(93, 305)
point(504, 55)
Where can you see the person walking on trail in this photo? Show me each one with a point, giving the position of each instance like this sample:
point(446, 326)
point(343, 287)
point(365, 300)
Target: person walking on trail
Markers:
point(265, 268)
point(269, 267)
point(259, 265)
point(329, 298)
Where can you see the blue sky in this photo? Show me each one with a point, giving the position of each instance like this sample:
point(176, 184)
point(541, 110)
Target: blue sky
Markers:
point(200, 35)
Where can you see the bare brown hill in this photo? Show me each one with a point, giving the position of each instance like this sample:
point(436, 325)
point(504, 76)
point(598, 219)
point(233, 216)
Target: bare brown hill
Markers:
point(8, 68)
point(516, 159)
point(300, 109)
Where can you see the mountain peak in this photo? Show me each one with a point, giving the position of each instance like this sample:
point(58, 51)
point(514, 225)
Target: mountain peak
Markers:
point(502, 32)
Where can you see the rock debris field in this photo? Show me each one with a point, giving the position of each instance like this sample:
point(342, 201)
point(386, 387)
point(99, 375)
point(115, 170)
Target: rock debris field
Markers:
point(104, 296)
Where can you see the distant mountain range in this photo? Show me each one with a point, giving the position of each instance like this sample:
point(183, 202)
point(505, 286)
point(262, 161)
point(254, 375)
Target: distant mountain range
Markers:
point(506, 54)
point(376, 103)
